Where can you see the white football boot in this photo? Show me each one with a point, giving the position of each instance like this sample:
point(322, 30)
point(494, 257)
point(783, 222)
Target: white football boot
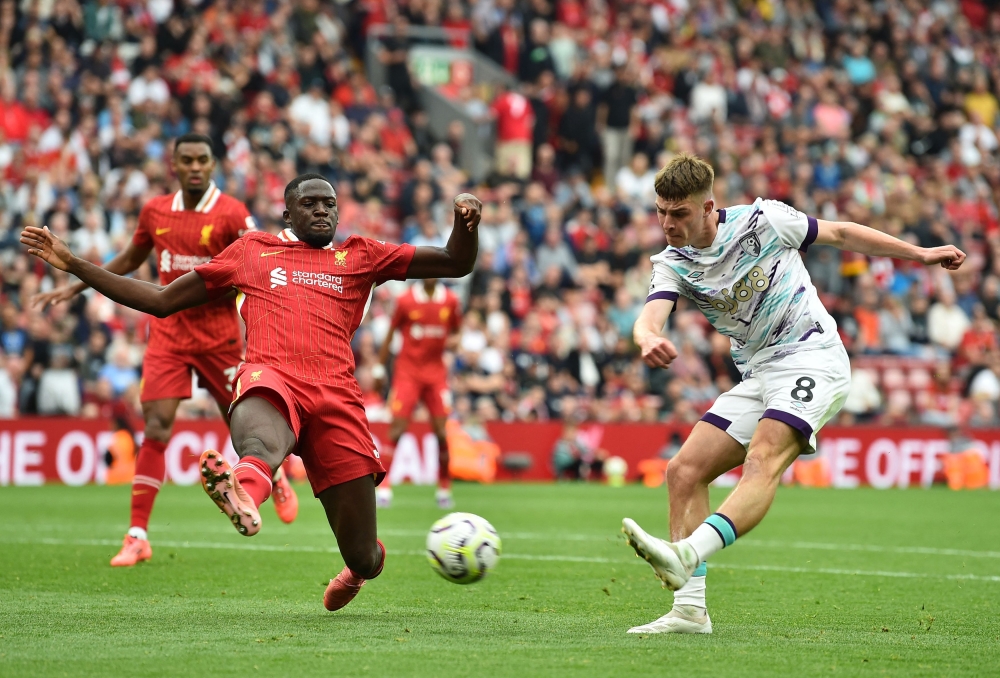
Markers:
point(673, 563)
point(681, 619)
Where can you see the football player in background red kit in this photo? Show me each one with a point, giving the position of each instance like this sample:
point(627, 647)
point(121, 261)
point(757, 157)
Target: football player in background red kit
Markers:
point(302, 300)
point(187, 229)
point(428, 315)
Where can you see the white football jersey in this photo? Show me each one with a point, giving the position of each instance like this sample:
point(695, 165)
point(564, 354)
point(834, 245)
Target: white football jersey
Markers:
point(751, 283)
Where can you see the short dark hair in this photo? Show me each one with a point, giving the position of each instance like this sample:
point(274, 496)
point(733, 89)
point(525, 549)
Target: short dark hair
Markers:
point(293, 185)
point(194, 138)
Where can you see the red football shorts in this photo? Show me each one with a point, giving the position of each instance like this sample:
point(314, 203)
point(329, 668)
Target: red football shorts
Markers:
point(408, 389)
point(166, 374)
point(329, 423)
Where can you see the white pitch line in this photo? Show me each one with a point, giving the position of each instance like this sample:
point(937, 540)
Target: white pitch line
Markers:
point(757, 543)
point(517, 556)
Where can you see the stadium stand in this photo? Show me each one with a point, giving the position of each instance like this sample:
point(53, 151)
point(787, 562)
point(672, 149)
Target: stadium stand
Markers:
point(883, 113)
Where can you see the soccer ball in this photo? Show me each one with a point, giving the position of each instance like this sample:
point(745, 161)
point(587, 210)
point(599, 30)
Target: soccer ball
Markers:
point(462, 547)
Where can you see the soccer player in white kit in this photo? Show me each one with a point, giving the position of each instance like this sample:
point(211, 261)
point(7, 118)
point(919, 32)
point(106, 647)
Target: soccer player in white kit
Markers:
point(741, 266)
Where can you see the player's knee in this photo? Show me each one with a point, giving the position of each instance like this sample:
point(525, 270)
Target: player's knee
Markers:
point(365, 561)
point(683, 475)
point(255, 447)
point(761, 465)
point(158, 428)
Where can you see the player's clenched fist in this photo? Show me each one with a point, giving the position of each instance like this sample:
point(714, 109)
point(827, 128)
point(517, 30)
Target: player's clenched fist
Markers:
point(949, 256)
point(468, 210)
point(657, 351)
point(47, 247)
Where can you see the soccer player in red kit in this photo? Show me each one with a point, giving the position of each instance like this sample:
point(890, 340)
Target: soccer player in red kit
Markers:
point(427, 315)
point(302, 300)
point(187, 229)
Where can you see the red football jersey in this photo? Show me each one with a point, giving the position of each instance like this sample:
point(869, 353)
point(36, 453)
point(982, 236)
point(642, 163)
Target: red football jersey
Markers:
point(302, 304)
point(184, 239)
point(515, 117)
point(425, 323)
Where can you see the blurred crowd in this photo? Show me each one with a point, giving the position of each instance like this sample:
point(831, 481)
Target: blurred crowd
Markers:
point(884, 113)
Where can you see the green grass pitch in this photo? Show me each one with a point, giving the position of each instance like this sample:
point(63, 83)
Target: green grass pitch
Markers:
point(862, 582)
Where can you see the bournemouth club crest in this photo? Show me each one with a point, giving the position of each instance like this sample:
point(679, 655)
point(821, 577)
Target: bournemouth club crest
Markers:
point(750, 244)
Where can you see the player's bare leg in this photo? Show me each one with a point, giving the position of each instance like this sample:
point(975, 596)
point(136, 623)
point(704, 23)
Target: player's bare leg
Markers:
point(262, 439)
point(444, 497)
point(350, 508)
point(383, 493)
point(706, 454)
point(774, 446)
point(150, 473)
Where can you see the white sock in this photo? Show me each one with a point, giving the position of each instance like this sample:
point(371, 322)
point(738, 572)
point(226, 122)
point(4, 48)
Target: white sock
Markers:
point(705, 541)
point(137, 532)
point(692, 593)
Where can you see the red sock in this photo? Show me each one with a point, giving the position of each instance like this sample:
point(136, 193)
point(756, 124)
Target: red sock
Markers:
point(150, 472)
point(255, 478)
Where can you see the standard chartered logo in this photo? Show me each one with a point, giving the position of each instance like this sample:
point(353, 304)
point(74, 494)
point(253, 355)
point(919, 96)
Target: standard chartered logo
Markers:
point(325, 280)
point(180, 262)
point(278, 277)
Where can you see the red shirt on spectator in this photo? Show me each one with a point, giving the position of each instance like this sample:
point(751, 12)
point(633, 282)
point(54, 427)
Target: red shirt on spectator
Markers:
point(14, 120)
point(515, 118)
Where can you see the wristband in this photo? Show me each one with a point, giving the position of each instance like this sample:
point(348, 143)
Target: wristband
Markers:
point(378, 371)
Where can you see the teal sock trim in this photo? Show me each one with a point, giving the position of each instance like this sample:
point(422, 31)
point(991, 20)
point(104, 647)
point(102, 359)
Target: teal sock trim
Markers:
point(701, 570)
point(724, 527)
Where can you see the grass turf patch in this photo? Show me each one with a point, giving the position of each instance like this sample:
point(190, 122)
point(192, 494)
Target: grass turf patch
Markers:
point(858, 582)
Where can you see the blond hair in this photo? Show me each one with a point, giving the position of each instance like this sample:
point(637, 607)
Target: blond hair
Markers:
point(683, 177)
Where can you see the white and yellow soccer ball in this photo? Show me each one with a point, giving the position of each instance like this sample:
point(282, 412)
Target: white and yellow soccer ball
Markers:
point(463, 547)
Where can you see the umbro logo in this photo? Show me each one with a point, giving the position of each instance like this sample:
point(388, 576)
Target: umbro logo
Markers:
point(696, 275)
point(279, 277)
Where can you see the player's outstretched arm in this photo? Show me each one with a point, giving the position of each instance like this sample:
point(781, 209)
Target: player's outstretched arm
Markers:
point(657, 350)
point(457, 258)
point(126, 261)
point(185, 292)
point(853, 237)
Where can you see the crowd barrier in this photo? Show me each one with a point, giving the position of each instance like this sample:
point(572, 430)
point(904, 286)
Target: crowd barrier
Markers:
point(34, 451)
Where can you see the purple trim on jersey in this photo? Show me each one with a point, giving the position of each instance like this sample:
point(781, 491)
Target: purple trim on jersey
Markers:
point(716, 421)
point(722, 216)
point(790, 419)
point(669, 296)
point(812, 230)
point(809, 333)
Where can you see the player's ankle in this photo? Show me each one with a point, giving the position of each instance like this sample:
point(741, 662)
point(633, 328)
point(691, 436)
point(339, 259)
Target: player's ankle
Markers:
point(137, 533)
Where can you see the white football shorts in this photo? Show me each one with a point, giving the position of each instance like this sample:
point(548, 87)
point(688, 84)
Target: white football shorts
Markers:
point(804, 390)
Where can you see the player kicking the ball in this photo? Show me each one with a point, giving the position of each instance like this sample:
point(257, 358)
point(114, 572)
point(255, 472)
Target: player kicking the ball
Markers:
point(302, 300)
point(741, 266)
point(428, 315)
point(186, 228)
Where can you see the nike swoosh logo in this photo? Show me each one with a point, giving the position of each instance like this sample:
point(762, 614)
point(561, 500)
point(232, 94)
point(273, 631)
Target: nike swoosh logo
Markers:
point(270, 254)
point(161, 231)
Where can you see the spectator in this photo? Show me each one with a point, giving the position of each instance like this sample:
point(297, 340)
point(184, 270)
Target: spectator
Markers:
point(59, 386)
point(555, 254)
point(119, 371)
point(572, 458)
point(946, 321)
point(634, 183)
point(8, 391)
point(617, 122)
point(515, 124)
point(576, 141)
point(310, 111)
